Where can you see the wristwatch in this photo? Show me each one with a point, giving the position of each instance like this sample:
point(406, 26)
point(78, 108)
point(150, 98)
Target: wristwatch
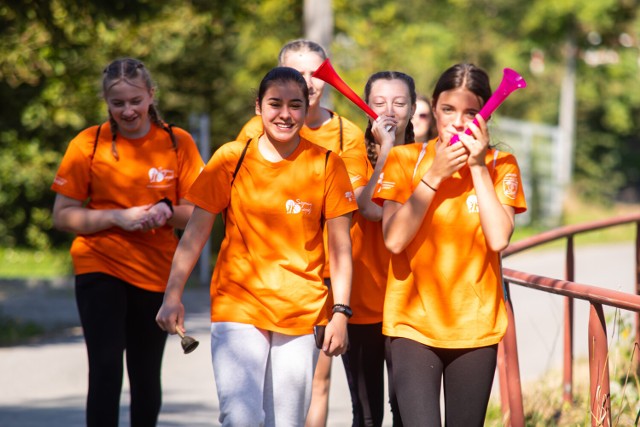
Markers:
point(342, 308)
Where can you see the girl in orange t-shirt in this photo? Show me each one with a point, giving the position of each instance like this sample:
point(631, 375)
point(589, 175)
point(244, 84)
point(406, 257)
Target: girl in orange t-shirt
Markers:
point(267, 291)
point(392, 95)
point(329, 130)
point(121, 188)
point(448, 211)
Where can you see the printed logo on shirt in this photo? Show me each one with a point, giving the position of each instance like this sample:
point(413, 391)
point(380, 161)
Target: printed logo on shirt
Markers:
point(349, 195)
point(472, 203)
point(59, 181)
point(384, 185)
point(160, 177)
point(298, 206)
point(510, 185)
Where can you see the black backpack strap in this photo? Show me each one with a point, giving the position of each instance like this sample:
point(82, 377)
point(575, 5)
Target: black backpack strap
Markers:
point(341, 134)
point(93, 153)
point(326, 161)
point(235, 172)
point(244, 151)
point(95, 142)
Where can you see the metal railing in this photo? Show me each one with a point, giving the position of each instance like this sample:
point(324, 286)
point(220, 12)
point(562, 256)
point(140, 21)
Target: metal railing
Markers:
point(508, 365)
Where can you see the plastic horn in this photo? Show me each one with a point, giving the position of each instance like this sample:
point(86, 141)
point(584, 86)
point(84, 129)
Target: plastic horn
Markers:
point(326, 72)
point(511, 81)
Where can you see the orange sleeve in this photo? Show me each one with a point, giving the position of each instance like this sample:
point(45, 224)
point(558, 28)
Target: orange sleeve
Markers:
point(339, 197)
point(508, 182)
point(190, 162)
point(358, 167)
point(212, 188)
point(396, 170)
point(73, 175)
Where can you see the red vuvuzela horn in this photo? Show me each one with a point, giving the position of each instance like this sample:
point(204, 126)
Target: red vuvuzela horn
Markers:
point(511, 81)
point(326, 72)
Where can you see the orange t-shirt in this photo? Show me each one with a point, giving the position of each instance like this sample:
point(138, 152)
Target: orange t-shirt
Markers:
point(148, 170)
point(338, 135)
point(445, 289)
point(370, 255)
point(269, 268)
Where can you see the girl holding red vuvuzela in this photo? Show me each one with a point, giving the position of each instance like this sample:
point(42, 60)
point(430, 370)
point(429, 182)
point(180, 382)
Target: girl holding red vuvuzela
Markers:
point(392, 96)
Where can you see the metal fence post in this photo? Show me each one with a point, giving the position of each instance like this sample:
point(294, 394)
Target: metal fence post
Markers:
point(567, 391)
point(513, 414)
point(599, 368)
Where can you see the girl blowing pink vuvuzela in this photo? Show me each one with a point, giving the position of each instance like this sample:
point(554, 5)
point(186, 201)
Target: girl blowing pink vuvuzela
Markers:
point(448, 211)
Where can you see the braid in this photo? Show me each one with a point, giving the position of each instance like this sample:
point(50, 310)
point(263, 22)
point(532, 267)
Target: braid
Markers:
point(409, 136)
point(114, 132)
point(154, 115)
point(370, 143)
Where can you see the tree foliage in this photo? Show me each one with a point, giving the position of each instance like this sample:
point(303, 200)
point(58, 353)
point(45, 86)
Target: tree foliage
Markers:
point(207, 56)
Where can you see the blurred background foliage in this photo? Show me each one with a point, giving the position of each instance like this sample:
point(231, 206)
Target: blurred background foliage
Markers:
point(209, 56)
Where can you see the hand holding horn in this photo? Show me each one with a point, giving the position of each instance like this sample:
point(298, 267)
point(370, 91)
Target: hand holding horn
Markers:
point(511, 81)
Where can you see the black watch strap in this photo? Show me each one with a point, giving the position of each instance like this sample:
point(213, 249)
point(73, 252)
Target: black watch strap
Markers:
point(342, 308)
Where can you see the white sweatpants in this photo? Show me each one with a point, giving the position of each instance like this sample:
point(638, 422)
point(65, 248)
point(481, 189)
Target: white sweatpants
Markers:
point(263, 378)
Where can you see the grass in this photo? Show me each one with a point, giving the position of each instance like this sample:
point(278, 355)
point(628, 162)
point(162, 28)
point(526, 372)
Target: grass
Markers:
point(544, 406)
point(17, 263)
point(543, 402)
point(13, 331)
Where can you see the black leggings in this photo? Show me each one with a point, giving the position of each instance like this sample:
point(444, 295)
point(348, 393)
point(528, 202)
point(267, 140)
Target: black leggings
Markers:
point(467, 375)
point(364, 365)
point(116, 316)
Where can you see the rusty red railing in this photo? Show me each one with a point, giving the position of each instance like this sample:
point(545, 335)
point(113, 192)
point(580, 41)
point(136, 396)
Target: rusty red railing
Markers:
point(508, 365)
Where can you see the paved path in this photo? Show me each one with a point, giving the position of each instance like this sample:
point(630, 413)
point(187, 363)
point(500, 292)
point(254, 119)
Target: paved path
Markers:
point(44, 383)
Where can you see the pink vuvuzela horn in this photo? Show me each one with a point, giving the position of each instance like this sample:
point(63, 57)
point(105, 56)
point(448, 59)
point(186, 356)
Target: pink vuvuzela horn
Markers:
point(511, 81)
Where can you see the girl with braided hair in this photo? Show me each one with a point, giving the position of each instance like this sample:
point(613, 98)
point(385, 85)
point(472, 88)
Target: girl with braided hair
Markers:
point(391, 95)
point(120, 188)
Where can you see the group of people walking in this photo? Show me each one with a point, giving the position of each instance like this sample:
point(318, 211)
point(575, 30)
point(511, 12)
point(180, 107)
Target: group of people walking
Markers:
point(385, 243)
